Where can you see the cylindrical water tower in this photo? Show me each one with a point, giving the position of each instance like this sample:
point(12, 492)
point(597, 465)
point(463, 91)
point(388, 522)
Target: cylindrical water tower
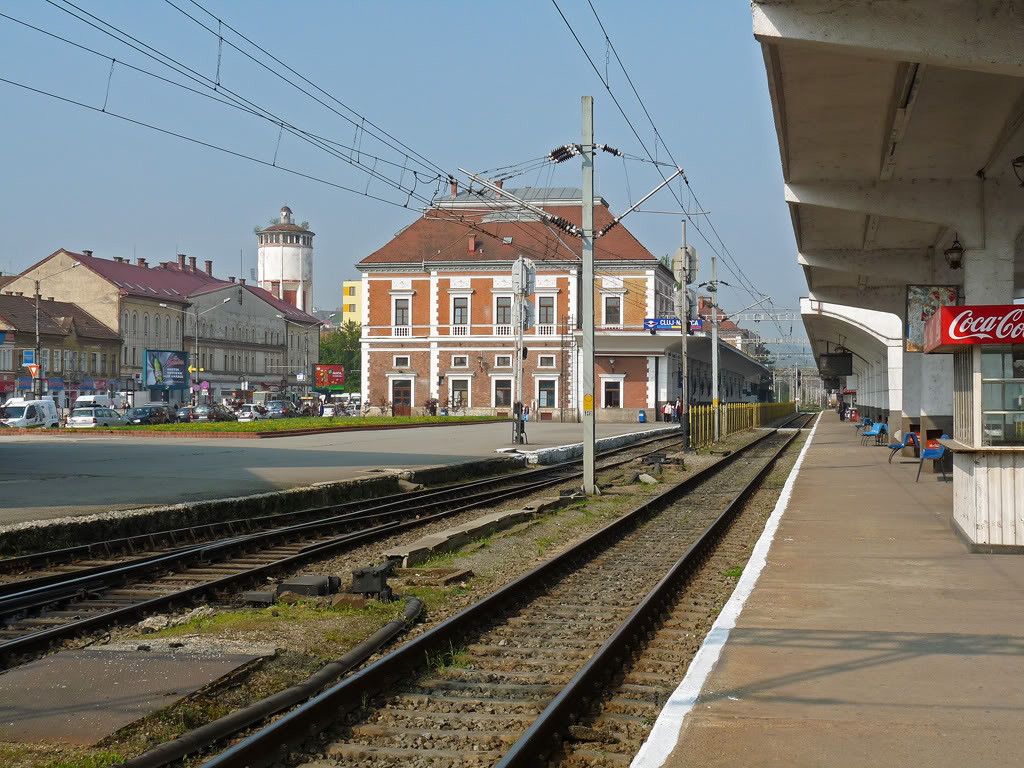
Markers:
point(286, 261)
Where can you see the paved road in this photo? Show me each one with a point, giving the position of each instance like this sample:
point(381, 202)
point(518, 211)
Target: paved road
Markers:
point(47, 477)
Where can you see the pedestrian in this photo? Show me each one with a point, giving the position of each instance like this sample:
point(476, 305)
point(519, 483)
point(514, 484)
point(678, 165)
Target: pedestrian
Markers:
point(321, 410)
point(667, 411)
point(679, 410)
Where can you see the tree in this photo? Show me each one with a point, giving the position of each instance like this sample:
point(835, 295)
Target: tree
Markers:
point(341, 347)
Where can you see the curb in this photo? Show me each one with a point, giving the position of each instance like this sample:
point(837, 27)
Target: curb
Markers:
point(241, 435)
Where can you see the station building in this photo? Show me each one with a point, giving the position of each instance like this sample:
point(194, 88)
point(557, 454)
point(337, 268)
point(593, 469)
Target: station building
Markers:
point(437, 316)
point(901, 138)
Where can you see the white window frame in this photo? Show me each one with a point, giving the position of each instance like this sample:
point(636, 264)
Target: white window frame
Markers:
point(395, 296)
point(509, 355)
point(56, 361)
point(494, 390)
point(456, 357)
point(468, 325)
point(494, 308)
point(469, 387)
point(536, 389)
point(396, 358)
point(619, 377)
point(605, 295)
point(540, 360)
point(553, 295)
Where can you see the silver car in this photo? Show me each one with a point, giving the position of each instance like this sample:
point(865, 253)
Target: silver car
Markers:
point(83, 418)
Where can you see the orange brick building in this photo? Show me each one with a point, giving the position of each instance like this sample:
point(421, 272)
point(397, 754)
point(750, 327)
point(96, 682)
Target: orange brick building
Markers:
point(438, 308)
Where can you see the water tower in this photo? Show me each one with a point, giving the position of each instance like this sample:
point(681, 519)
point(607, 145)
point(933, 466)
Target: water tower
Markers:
point(286, 261)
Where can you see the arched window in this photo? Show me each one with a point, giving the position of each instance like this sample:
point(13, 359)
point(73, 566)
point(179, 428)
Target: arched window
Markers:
point(145, 325)
point(124, 325)
point(177, 329)
point(135, 323)
point(167, 326)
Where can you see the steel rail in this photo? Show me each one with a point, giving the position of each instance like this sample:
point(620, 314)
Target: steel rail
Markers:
point(270, 743)
point(81, 586)
point(540, 737)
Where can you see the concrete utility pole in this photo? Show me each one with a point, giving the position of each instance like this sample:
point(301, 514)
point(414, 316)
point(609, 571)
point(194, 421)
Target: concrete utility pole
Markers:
point(589, 486)
point(520, 283)
point(684, 322)
point(37, 382)
point(714, 342)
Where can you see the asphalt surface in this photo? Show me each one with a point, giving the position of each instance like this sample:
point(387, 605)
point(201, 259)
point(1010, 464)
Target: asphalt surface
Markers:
point(43, 477)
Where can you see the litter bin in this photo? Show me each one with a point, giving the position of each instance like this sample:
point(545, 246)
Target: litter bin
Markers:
point(642, 416)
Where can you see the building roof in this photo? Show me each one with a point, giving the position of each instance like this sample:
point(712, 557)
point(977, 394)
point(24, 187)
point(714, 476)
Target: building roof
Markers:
point(55, 318)
point(504, 231)
point(168, 283)
point(286, 228)
point(5, 279)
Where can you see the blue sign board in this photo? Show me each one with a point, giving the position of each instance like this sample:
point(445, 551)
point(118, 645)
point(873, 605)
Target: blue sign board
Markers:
point(28, 357)
point(670, 324)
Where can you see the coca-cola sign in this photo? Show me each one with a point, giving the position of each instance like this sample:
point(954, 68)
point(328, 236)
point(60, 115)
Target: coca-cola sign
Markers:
point(952, 327)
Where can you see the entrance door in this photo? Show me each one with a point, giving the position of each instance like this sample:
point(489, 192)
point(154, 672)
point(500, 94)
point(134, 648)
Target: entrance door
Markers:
point(401, 397)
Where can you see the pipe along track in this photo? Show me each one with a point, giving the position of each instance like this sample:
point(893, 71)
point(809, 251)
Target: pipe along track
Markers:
point(508, 678)
point(51, 607)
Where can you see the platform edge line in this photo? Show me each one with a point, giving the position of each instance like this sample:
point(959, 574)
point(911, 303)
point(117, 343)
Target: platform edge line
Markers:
point(664, 735)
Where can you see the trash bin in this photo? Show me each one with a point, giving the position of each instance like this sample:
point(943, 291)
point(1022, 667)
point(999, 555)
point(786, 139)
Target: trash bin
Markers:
point(642, 416)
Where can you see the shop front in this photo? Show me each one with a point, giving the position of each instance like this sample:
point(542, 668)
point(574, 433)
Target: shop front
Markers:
point(987, 344)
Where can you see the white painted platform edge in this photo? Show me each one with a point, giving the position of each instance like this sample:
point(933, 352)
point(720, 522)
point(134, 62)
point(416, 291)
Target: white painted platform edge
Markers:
point(665, 734)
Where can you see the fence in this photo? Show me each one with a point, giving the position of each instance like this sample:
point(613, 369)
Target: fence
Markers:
point(735, 417)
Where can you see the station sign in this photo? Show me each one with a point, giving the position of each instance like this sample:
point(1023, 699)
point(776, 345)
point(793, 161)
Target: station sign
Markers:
point(953, 327)
point(670, 324)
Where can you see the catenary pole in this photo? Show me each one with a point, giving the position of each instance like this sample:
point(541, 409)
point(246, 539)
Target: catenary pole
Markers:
point(714, 343)
point(684, 329)
point(37, 382)
point(589, 486)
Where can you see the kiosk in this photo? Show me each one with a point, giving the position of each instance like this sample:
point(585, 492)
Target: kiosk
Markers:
point(987, 344)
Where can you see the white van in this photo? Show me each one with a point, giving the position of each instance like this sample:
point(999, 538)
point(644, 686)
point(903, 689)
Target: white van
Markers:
point(18, 412)
point(94, 401)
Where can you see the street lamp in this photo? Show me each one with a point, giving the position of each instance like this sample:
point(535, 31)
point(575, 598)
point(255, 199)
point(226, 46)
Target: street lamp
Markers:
point(37, 382)
point(306, 352)
point(198, 314)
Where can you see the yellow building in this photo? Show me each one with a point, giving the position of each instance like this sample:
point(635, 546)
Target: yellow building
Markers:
point(352, 301)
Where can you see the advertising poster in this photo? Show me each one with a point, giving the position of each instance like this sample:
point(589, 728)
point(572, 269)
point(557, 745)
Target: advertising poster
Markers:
point(165, 369)
point(329, 377)
point(922, 303)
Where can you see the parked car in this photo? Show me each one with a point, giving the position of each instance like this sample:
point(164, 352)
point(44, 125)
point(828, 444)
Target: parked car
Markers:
point(148, 414)
point(83, 418)
point(213, 413)
point(252, 412)
point(184, 413)
point(281, 409)
point(18, 412)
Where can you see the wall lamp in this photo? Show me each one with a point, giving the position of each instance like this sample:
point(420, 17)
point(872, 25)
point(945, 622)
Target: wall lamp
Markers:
point(955, 253)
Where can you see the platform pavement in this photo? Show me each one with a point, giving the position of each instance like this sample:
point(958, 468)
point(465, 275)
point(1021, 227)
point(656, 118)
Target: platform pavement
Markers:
point(51, 476)
point(872, 638)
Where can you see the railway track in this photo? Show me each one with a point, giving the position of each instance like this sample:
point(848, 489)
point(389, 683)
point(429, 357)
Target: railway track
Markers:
point(507, 679)
point(54, 604)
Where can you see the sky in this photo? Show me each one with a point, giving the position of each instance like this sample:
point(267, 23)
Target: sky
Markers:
point(460, 84)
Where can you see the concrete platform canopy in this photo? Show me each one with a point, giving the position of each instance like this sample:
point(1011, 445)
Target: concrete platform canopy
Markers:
point(876, 341)
point(899, 122)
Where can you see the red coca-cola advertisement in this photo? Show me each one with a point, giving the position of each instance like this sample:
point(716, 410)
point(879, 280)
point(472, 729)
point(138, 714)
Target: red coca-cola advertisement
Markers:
point(953, 327)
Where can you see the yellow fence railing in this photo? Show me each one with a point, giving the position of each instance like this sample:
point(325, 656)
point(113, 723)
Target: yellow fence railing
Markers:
point(734, 417)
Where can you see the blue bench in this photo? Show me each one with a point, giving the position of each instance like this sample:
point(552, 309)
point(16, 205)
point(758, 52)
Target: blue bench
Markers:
point(933, 454)
point(876, 431)
point(908, 439)
point(865, 422)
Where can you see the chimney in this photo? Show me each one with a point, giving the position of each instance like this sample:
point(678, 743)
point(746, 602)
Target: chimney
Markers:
point(499, 184)
point(19, 293)
point(86, 253)
point(241, 281)
point(455, 187)
point(231, 279)
point(192, 263)
point(181, 262)
point(472, 244)
point(140, 261)
point(49, 298)
point(209, 267)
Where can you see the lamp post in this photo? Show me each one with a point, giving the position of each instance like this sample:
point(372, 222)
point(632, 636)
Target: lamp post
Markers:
point(198, 314)
point(37, 382)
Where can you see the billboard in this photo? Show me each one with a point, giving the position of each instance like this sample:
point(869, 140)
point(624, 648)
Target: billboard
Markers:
point(923, 301)
point(836, 364)
point(951, 328)
point(165, 369)
point(329, 377)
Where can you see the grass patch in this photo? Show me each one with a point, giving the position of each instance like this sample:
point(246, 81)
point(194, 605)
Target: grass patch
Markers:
point(733, 573)
point(442, 661)
point(278, 425)
point(543, 544)
point(56, 756)
point(439, 560)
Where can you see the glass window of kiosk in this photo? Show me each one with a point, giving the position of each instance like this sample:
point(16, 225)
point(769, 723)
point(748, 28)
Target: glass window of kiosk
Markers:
point(1002, 395)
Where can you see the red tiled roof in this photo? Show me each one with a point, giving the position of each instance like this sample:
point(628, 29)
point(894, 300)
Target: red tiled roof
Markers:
point(437, 237)
point(286, 228)
point(55, 318)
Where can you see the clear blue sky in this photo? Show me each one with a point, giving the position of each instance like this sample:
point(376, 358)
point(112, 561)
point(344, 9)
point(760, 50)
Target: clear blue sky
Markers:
point(469, 84)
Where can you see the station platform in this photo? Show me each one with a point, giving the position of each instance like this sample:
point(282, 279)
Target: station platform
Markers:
point(871, 637)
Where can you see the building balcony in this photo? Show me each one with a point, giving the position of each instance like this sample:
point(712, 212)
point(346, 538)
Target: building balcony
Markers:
point(459, 330)
point(401, 330)
point(546, 329)
point(503, 330)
